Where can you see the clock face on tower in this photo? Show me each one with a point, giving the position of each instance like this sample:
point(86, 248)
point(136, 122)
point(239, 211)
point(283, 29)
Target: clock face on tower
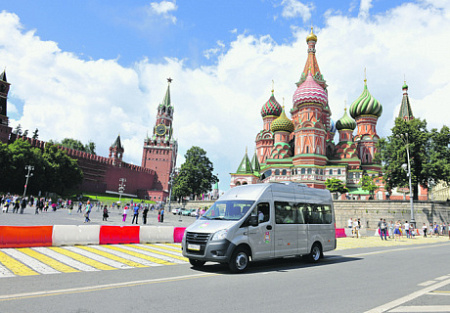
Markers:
point(161, 129)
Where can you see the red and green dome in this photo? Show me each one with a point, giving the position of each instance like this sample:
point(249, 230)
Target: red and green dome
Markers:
point(282, 123)
point(366, 104)
point(271, 107)
point(345, 122)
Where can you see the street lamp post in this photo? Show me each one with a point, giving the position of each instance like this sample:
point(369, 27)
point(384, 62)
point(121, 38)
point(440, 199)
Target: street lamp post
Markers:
point(29, 168)
point(405, 139)
point(121, 187)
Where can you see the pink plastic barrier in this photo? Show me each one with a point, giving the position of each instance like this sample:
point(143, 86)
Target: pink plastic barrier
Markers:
point(178, 233)
point(340, 233)
point(119, 234)
point(25, 236)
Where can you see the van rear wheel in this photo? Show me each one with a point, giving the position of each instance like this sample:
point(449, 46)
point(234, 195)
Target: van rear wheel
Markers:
point(196, 263)
point(315, 254)
point(239, 260)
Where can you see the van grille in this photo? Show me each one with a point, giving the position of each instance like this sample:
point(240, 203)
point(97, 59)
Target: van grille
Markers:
point(197, 238)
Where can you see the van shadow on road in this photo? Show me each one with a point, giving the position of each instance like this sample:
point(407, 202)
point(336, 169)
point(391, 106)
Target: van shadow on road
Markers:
point(275, 265)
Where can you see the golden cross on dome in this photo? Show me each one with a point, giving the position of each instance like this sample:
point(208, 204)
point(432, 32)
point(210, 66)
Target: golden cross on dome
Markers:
point(365, 77)
point(273, 85)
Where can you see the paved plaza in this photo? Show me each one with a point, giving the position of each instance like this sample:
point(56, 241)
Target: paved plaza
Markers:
point(62, 217)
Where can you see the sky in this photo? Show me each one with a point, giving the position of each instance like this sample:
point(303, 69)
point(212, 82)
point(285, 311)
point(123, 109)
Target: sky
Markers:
point(91, 70)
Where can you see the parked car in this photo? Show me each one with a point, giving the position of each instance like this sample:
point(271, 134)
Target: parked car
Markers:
point(176, 211)
point(194, 212)
point(185, 212)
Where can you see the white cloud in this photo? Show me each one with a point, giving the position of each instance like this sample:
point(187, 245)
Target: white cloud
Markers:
point(218, 107)
point(164, 8)
point(295, 8)
point(364, 8)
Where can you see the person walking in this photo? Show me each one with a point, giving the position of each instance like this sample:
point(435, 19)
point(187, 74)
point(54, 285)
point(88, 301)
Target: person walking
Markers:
point(424, 229)
point(87, 212)
point(125, 211)
point(162, 215)
point(23, 205)
point(144, 214)
point(408, 234)
point(436, 230)
point(136, 213)
point(105, 213)
point(397, 230)
point(383, 229)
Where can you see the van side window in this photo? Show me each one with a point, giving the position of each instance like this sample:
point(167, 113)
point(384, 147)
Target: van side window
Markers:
point(300, 208)
point(318, 214)
point(263, 212)
point(285, 213)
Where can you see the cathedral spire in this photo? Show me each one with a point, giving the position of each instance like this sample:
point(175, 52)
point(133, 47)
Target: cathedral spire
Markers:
point(166, 100)
point(311, 62)
point(405, 108)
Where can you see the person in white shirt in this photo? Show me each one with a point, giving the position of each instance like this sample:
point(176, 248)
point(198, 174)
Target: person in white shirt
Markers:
point(407, 229)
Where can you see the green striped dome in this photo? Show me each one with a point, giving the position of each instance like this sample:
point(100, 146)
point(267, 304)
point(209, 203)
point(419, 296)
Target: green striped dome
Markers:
point(366, 104)
point(282, 123)
point(345, 122)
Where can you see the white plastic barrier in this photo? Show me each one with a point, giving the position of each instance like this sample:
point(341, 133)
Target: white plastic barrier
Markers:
point(154, 234)
point(76, 235)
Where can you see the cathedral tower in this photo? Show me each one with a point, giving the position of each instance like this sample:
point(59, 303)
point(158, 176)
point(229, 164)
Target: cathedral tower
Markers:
point(405, 108)
point(5, 130)
point(366, 110)
point(160, 150)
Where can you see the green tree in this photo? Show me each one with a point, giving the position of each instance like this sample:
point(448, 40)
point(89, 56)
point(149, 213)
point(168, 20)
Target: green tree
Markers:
point(335, 185)
point(18, 130)
point(25, 133)
point(62, 171)
point(438, 166)
point(36, 134)
point(76, 145)
point(90, 147)
point(393, 154)
point(195, 176)
point(368, 184)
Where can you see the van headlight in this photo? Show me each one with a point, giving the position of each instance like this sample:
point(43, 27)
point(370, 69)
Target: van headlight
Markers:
point(220, 235)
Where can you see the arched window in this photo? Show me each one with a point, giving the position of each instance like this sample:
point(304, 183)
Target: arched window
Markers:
point(283, 172)
point(238, 184)
point(330, 172)
point(244, 183)
point(339, 171)
point(309, 171)
point(277, 172)
point(303, 171)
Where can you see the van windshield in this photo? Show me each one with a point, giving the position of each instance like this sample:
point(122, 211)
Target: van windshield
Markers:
point(231, 210)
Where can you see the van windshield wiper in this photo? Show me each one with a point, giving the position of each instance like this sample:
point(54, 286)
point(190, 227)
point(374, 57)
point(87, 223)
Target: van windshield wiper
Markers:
point(217, 218)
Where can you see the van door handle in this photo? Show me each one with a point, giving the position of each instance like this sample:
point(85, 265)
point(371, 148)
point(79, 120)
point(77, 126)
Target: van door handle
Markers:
point(269, 227)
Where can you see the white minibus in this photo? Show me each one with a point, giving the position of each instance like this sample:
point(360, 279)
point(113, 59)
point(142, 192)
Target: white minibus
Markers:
point(262, 221)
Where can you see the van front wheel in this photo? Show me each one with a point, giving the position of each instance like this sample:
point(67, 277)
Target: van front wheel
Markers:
point(196, 263)
point(239, 260)
point(315, 253)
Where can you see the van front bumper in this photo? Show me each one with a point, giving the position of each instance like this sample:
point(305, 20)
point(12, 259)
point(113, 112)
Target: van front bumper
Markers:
point(214, 251)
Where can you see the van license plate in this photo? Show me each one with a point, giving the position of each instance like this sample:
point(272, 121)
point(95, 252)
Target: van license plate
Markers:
point(194, 247)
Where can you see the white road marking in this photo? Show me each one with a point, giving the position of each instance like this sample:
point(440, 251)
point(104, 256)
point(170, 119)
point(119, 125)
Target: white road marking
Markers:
point(422, 308)
point(155, 255)
point(443, 277)
point(390, 305)
point(20, 296)
point(30, 262)
point(98, 258)
point(426, 283)
point(65, 259)
point(126, 256)
point(4, 272)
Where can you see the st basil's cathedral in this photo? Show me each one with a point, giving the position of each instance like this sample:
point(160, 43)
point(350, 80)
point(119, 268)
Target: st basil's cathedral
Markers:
point(302, 148)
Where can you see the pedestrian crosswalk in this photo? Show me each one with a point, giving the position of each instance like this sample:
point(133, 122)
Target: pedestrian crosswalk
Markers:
point(71, 259)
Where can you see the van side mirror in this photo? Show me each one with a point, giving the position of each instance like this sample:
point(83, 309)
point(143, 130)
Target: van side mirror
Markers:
point(253, 220)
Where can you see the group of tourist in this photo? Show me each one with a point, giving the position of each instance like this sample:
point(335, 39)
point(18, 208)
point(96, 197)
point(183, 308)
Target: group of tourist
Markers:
point(397, 230)
point(355, 226)
point(144, 208)
point(18, 203)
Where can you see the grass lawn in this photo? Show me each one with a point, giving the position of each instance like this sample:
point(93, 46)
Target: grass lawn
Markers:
point(109, 199)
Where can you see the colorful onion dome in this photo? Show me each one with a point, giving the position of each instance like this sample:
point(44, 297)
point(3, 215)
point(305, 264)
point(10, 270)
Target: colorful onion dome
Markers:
point(311, 36)
point(345, 122)
point(310, 91)
point(271, 107)
point(282, 123)
point(332, 127)
point(366, 104)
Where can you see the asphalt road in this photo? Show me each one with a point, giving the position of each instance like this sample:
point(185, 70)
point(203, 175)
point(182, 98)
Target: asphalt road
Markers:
point(354, 280)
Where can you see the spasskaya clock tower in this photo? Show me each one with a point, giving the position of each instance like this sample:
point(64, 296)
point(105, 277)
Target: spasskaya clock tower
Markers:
point(160, 149)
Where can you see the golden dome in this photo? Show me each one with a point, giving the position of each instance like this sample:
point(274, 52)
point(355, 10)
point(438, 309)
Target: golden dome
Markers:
point(311, 36)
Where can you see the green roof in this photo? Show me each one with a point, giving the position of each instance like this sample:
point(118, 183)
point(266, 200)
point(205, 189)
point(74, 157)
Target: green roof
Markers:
point(358, 191)
point(245, 167)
